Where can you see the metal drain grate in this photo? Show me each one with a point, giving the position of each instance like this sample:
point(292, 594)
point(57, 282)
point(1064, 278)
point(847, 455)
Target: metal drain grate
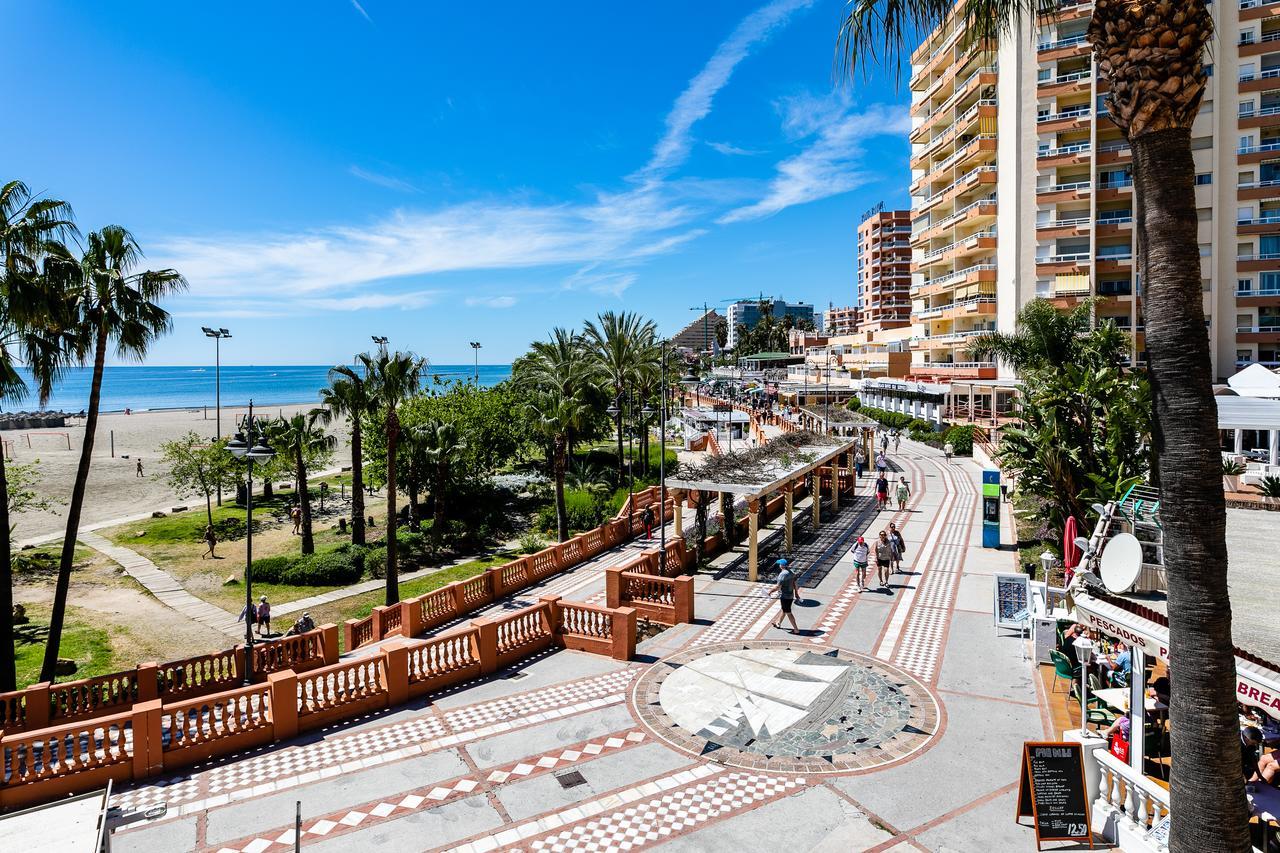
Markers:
point(514, 675)
point(570, 779)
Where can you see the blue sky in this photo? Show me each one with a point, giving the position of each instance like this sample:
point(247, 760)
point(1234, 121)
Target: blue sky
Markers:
point(446, 172)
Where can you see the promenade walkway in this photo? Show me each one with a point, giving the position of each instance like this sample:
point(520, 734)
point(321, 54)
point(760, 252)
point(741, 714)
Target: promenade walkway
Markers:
point(572, 751)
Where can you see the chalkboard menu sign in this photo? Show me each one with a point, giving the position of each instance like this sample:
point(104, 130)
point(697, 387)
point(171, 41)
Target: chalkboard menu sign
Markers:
point(1012, 602)
point(1051, 791)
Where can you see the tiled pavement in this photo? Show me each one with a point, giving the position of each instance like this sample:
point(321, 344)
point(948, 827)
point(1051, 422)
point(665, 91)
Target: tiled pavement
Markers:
point(516, 803)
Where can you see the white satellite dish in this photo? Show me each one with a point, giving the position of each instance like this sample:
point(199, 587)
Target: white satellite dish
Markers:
point(1121, 562)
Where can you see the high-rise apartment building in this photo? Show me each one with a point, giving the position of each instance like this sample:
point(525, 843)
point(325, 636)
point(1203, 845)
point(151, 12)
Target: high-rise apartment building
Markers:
point(953, 203)
point(1022, 188)
point(746, 313)
point(884, 270)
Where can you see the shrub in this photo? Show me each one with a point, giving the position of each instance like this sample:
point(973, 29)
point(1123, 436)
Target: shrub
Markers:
point(1231, 468)
point(531, 542)
point(375, 562)
point(919, 425)
point(924, 436)
point(854, 404)
point(893, 420)
point(331, 568)
point(410, 542)
point(272, 569)
point(961, 439)
point(1270, 487)
point(583, 510)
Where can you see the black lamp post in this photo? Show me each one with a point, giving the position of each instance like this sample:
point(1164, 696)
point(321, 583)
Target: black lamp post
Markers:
point(217, 335)
point(251, 445)
point(475, 345)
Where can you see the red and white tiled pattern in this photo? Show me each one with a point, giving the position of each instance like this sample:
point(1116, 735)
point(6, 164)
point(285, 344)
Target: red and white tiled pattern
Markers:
point(658, 818)
point(738, 618)
point(430, 796)
point(300, 765)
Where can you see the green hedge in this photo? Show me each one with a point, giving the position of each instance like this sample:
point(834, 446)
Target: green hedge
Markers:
point(961, 439)
point(893, 420)
point(583, 509)
point(331, 568)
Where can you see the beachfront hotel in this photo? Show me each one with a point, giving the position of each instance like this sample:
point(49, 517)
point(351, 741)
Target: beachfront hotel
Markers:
point(998, 222)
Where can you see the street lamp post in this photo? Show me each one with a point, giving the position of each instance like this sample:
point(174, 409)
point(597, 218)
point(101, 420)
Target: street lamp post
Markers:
point(475, 345)
point(827, 395)
point(217, 335)
point(250, 444)
point(381, 341)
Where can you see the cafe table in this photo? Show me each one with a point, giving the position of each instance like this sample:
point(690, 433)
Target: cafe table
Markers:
point(1264, 802)
point(1118, 698)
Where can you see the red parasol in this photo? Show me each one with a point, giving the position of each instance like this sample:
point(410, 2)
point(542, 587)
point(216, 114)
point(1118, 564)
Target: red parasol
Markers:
point(1070, 551)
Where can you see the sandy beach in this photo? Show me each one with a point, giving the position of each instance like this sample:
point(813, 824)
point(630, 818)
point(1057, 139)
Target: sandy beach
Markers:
point(115, 491)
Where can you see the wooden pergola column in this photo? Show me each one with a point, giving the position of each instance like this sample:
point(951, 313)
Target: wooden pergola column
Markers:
point(789, 500)
point(835, 484)
point(753, 528)
point(677, 496)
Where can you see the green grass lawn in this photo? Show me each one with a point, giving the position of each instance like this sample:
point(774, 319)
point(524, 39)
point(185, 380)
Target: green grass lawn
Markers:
point(84, 640)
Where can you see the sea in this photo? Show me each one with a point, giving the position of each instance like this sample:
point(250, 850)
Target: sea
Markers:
point(143, 387)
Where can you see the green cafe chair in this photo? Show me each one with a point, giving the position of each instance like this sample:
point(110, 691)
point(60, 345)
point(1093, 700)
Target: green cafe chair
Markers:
point(1062, 670)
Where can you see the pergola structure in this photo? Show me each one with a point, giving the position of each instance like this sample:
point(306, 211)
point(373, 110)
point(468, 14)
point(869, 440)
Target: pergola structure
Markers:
point(837, 420)
point(775, 468)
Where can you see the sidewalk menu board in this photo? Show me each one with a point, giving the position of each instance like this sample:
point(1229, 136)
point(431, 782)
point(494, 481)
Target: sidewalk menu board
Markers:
point(1012, 602)
point(1051, 791)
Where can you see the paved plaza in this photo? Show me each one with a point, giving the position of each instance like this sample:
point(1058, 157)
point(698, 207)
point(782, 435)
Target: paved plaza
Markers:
point(893, 721)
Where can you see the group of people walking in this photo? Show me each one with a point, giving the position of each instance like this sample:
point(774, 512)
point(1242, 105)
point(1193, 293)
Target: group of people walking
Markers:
point(888, 550)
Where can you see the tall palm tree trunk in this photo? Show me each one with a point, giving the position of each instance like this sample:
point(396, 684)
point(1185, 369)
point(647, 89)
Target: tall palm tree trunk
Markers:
point(1206, 789)
point(63, 586)
point(357, 484)
point(393, 579)
point(8, 652)
point(304, 502)
point(437, 494)
point(558, 466)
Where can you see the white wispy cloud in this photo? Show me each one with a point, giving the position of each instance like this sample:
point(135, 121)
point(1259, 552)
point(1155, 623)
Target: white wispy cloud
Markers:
point(491, 301)
point(695, 101)
point(731, 150)
point(602, 282)
point(832, 161)
point(381, 180)
point(360, 9)
point(406, 301)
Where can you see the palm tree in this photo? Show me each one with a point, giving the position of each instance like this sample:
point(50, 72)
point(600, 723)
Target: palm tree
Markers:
point(347, 395)
point(31, 334)
point(116, 305)
point(1151, 56)
point(616, 343)
point(304, 441)
point(648, 377)
point(1043, 336)
point(441, 447)
point(559, 373)
point(392, 379)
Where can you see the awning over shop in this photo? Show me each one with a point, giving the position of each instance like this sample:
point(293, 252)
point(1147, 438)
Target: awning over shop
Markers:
point(1257, 681)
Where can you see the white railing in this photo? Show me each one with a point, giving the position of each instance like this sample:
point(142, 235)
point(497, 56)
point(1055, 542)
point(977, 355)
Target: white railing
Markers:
point(1254, 149)
point(1066, 78)
point(962, 212)
point(1064, 223)
point(1257, 330)
point(1054, 188)
point(1079, 258)
point(1080, 113)
point(949, 366)
point(1261, 256)
point(1115, 185)
point(1115, 220)
point(1262, 291)
point(958, 275)
point(963, 241)
point(936, 310)
point(1114, 145)
point(1065, 149)
point(1066, 42)
point(1253, 185)
point(1266, 74)
point(1119, 256)
point(1128, 804)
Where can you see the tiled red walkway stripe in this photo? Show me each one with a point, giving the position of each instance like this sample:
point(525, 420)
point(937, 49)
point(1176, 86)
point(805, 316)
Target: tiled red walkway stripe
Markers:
point(401, 803)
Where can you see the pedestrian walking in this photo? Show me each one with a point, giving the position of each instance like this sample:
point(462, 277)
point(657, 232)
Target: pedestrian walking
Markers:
point(785, 592)
point(861, 553)
point(139, 469)
point(647, 518)
point(948, 449)
point(884, 558)
point(884, 441)
point(904, 492)
point(882, 491)
point(860, 462)
point(210, 539)
point(899, 546)
point(882, 464)
point(897, 440)
point(295, 515)
point(264, 617)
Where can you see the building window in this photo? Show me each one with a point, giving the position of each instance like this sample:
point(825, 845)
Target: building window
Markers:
point(1246, 107)
point(1204, 178)
point(1206, 250)
point(1244, 285)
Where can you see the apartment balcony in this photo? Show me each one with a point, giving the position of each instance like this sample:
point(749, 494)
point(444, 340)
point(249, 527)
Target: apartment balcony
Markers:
point(1266, 43)
point(983, 175)
point(943, 283)
point(954, 370)
point(984, 242)
point(1115, 151)
point(1063, 264)
point(1071, 191)
point(1113, 226)
point(1053, 229)
point(931, 55)
point(1047, 51)
point(977, 151)
point(1267, 262)
point(1260, 81)
point(1269, 150)
point(1073, 10)
point(1258, 334)
point(1064, 84)
point(1113, 263)
point(1258, 190)
point(1253, 10)
point(1264, 117)
point(1256, 297)
point(1067, 120)
point(975, 306)
point(1115, 190)
point(1065, 155)
point(975, 213)
point(1266, 223)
